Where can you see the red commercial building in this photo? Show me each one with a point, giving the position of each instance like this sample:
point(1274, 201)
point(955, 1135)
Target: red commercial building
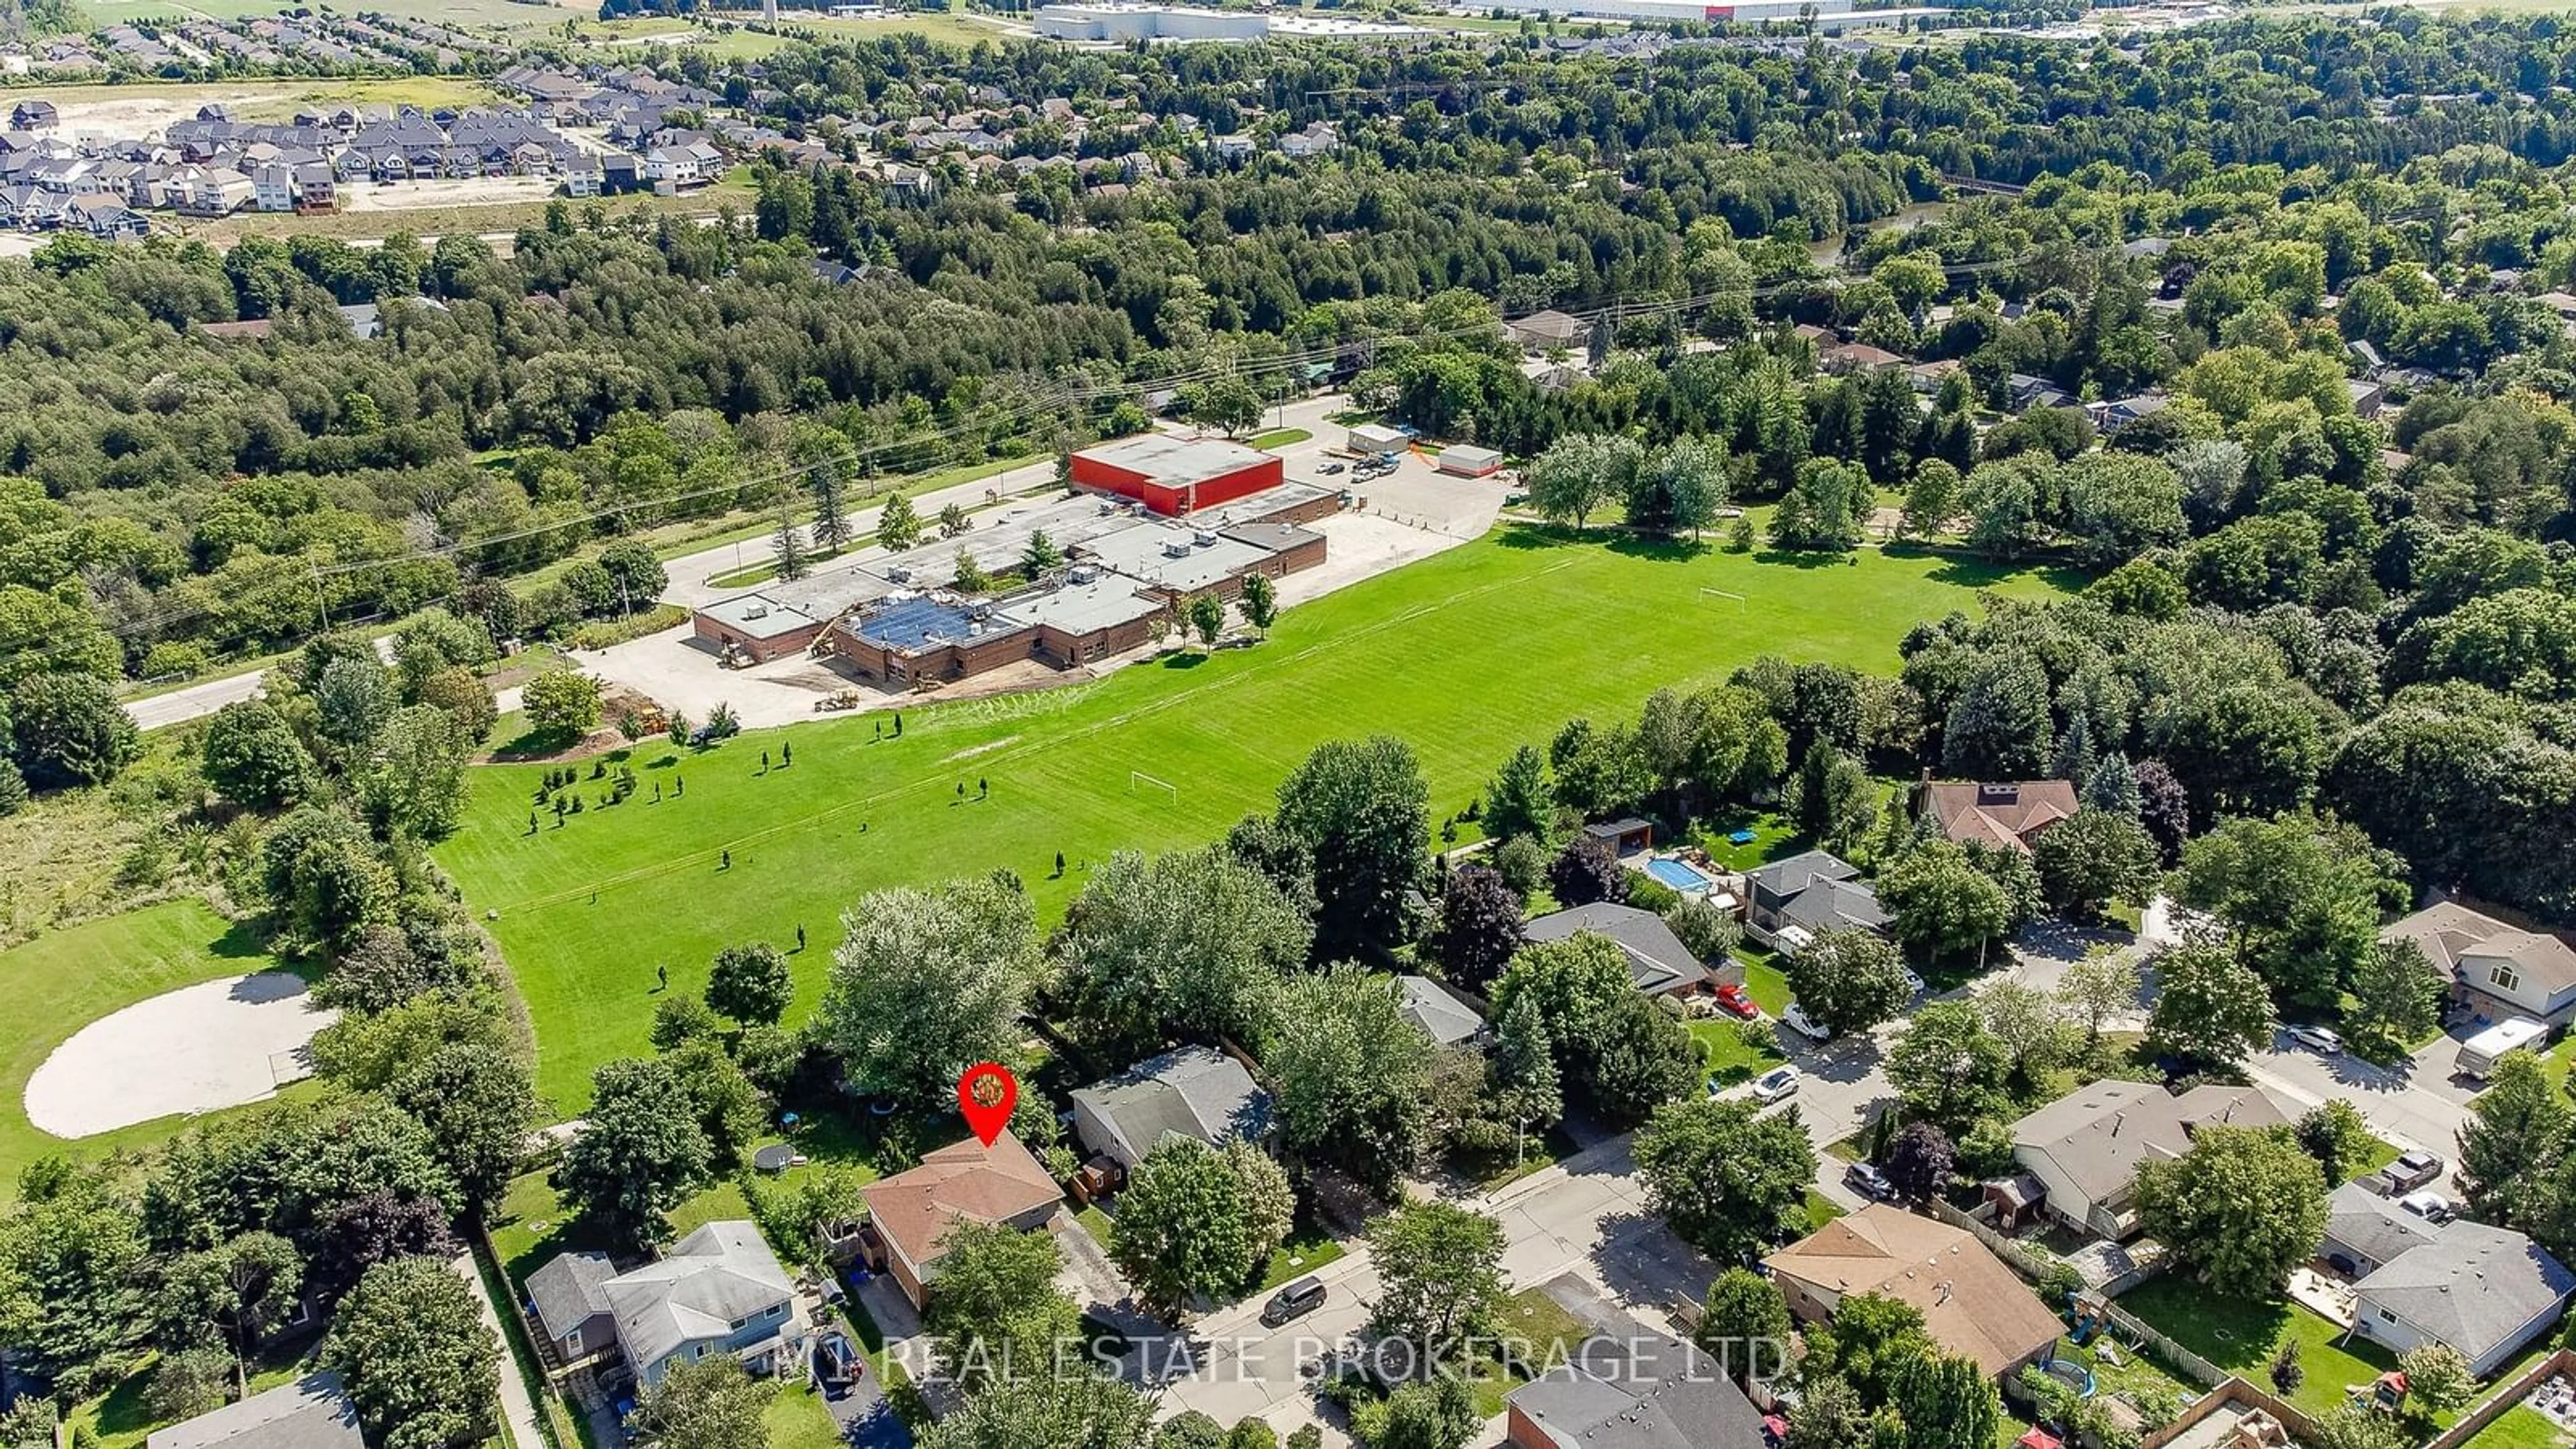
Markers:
point(1176, 476)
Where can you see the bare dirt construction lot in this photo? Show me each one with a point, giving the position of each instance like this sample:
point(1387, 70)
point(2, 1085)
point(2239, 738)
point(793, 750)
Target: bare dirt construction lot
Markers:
point(465, 191)
point(198, 1049)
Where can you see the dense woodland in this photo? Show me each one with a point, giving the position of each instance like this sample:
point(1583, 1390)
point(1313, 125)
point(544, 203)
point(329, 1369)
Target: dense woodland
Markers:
point(2323, 655)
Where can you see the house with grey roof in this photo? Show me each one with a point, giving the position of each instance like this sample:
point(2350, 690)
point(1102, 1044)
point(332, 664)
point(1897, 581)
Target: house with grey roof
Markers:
point(2496, 968)
point(569, 1296)
point(1638, 1391)
point(313, 1412)
point(1195, 1092)
point(2485, 1291)
point(2365, 1232)
point(1548, 331)
point(1813, 891)
point(2086, 1147)
point(1440, 1013)
point(718, 1290)
point(1658, 963)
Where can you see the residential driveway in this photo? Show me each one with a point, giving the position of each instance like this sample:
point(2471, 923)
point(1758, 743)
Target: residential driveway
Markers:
point(2419, 1105)
point(866, 1419)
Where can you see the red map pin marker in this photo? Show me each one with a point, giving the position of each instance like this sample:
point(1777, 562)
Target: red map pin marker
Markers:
point(986, 1095)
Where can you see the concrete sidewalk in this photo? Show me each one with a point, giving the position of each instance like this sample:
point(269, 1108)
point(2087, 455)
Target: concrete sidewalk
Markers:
point(518, 1407)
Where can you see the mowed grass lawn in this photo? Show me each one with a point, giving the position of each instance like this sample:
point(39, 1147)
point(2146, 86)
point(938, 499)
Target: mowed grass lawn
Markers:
point(2520, 1427)
point(64, 980)
point(1464, 655)
point(2241, 1337)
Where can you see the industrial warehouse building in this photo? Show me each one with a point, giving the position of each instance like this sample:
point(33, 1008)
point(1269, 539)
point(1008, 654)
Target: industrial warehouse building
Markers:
point(899, 620)
point(1176, 476)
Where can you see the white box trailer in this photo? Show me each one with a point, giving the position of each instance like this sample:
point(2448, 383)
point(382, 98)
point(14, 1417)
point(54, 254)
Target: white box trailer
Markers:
point(2480, 1053)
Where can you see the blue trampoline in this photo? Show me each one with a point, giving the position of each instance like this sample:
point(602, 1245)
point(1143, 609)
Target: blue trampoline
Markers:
point(1741, 837)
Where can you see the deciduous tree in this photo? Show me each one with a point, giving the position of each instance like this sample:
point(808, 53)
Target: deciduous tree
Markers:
point(2209, 1007)
point(1194, 1222)
point(1440, 1273)
point(1744, 1324)
point(2241, 1208)
point(1350, 1073)
point(1848, 980)
point(1725, 1178)
point(563, 703)
point(1192, 945)
point(751, 984)
point(1920, 1160)
point(995, 1313)
point(1478, 929)
point(706, 1403)
point(639, 1155)
point(927, 983)
point(417, 1358)
point(1949, 1069)
point(2092, 858)
point(1357, 809)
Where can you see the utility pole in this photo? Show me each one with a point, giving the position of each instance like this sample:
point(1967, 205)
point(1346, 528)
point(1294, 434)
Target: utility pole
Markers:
point(321, 601)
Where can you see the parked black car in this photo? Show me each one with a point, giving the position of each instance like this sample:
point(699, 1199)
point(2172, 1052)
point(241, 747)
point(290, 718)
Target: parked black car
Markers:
point(1869, 1182)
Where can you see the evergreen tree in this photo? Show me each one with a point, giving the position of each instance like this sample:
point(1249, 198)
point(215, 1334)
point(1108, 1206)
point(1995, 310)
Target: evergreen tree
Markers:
point(1525, 1076)
point(788, 549)
point(898, 527)
point(2113, 787)
point(831, 508)
point(2074, 759)
point(1520, 800)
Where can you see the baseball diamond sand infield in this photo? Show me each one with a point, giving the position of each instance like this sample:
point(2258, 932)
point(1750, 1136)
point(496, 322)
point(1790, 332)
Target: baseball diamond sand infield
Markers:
point(197, 1049)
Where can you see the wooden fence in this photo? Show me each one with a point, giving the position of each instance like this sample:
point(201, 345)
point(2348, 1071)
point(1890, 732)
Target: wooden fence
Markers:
point(2232, 1391)
point(2489, 1409)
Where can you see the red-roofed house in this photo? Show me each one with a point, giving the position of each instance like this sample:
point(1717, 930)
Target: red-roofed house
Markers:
point(2007, 812)
point(911, 1212)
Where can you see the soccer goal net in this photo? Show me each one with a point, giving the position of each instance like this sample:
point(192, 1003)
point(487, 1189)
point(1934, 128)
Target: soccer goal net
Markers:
point(1139, 780)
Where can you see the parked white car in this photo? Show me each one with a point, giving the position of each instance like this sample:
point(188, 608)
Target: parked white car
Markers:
point(1803, 1024)
point(2315, 1038)
point(1776, 1085)
point(1914, 983)
point(2430, 1206)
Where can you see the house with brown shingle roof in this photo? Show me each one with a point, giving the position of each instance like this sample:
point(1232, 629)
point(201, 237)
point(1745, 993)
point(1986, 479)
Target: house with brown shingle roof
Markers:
point(910, 1213)
point(1972, 1305)
point(2009, 813)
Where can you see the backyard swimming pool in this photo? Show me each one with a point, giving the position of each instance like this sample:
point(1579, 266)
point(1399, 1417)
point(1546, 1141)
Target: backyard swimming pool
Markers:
point(1677, 874)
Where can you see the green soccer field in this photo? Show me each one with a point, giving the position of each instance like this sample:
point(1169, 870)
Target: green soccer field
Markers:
point(1464, 655)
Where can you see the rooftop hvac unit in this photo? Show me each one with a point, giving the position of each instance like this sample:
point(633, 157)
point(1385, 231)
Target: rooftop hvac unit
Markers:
point(1177, 548)
point(756, 611)
point(1082, 573)
point(980, 611)
point(1205, 538)
point(975, 630)
point(1108, 505)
